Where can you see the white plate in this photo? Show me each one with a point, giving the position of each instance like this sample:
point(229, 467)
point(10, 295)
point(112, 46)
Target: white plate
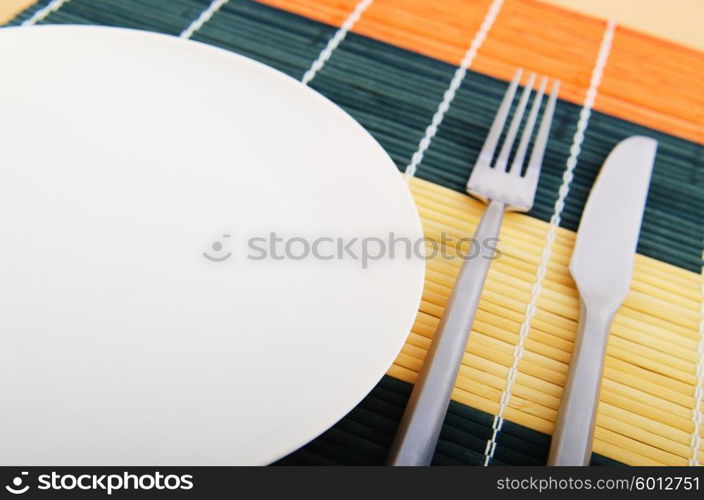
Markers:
point(125, 156)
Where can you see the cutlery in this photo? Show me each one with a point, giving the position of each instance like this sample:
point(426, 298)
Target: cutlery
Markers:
point(502, 189)
point(601, 265)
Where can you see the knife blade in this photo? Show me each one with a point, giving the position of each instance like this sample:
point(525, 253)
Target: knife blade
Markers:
point(602, 266)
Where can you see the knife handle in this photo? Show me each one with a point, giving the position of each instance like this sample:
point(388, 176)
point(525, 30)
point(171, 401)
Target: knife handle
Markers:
point(572, 440)
point(422, 420)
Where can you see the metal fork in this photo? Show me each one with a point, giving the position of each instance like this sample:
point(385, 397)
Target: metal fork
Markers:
point(503, 189)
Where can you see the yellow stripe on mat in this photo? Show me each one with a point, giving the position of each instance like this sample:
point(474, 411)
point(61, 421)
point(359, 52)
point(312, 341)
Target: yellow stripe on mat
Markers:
point(645, 414)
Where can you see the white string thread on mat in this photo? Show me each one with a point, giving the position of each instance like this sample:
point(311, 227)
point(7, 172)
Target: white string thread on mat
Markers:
point(42, 13)
point(575, 149)
point(335, 41)
point(204, 17)
point(696, 440)
point(455, 83)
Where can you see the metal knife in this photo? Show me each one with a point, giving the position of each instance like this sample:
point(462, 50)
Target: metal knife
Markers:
point(601, 265)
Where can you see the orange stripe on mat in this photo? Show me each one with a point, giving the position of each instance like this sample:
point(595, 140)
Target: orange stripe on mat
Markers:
point(647, 80)
point(656, 83)
point(10, 8)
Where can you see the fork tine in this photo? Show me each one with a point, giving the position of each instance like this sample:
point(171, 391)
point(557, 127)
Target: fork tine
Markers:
point(528, 131)
point(502, 159)
point(536, 157)
point(487, 151)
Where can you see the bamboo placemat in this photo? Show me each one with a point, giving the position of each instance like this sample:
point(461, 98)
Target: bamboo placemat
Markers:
point(391, 72)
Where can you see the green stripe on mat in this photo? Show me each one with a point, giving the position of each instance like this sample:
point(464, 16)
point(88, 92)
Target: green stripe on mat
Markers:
point(394, 93)
point(364, 436)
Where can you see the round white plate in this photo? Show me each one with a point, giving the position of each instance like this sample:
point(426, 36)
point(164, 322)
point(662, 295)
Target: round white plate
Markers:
point(132, 331)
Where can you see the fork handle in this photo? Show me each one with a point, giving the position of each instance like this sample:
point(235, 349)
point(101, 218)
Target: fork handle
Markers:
point(422, 420)
point(572, 440)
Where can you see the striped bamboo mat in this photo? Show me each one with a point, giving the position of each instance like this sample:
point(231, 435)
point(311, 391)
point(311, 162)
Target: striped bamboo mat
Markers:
point(391, 72)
